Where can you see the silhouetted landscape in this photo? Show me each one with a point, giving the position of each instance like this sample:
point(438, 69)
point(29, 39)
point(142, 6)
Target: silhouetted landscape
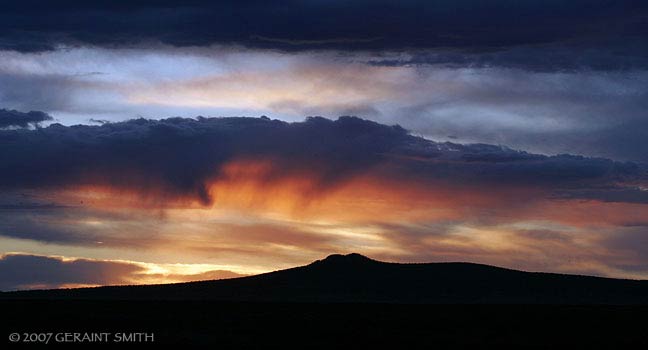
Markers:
point(355, 278)
point(351, 299)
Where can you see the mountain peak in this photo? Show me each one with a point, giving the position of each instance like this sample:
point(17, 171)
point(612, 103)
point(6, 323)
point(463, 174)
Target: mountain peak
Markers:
point(346, 259)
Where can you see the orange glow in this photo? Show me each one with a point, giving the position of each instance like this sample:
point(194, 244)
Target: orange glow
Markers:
point(260, 187)
point(264, 216)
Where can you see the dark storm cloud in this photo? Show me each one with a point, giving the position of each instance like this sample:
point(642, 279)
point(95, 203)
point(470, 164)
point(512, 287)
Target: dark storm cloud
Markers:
point(13, 118)
point(474, 31)
point(179, 157)
point(20, 271)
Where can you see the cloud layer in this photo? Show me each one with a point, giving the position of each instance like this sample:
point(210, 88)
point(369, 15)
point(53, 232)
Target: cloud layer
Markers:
point(544, 112)
point(465, 32)
point(175, 158)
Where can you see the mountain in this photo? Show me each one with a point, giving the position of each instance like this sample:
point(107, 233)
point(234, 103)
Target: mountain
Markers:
point(355, 278)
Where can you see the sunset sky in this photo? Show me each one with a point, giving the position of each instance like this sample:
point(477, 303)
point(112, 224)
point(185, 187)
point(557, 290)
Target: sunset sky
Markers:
point(168, 141)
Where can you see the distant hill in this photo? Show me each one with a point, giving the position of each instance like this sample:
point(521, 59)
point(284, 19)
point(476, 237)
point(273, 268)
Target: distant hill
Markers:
point(355, 278)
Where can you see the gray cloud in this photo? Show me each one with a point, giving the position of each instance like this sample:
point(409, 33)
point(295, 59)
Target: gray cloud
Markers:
point(21, 271)
point(13, 118)
point(540, 112)
point(600, 54)
point(69, 225)
point(47, 91)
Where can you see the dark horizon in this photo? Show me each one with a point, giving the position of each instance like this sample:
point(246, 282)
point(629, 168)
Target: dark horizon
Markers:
point(354, 278)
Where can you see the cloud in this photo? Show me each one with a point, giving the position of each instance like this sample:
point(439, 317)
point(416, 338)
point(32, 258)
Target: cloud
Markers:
point(26, 271)
point(181, 156)
point(80, 226)
point(633, 242)
point(567, 55)
point(13, 118)
point(274, 194)
point(25, 90)
point(527, 245)
point(610, 194)
point(184, 158)
point(18, 271)
point(465, 32)
point(543, 112)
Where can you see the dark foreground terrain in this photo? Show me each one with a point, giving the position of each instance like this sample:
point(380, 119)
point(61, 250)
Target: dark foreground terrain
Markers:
point(343, 302)
point(231, 325)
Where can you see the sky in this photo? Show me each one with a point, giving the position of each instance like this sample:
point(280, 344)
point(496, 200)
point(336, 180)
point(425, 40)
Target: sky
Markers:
point(169, 141)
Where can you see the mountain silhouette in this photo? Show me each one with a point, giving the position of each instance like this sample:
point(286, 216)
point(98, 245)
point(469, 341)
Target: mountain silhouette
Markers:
point(355, 278)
